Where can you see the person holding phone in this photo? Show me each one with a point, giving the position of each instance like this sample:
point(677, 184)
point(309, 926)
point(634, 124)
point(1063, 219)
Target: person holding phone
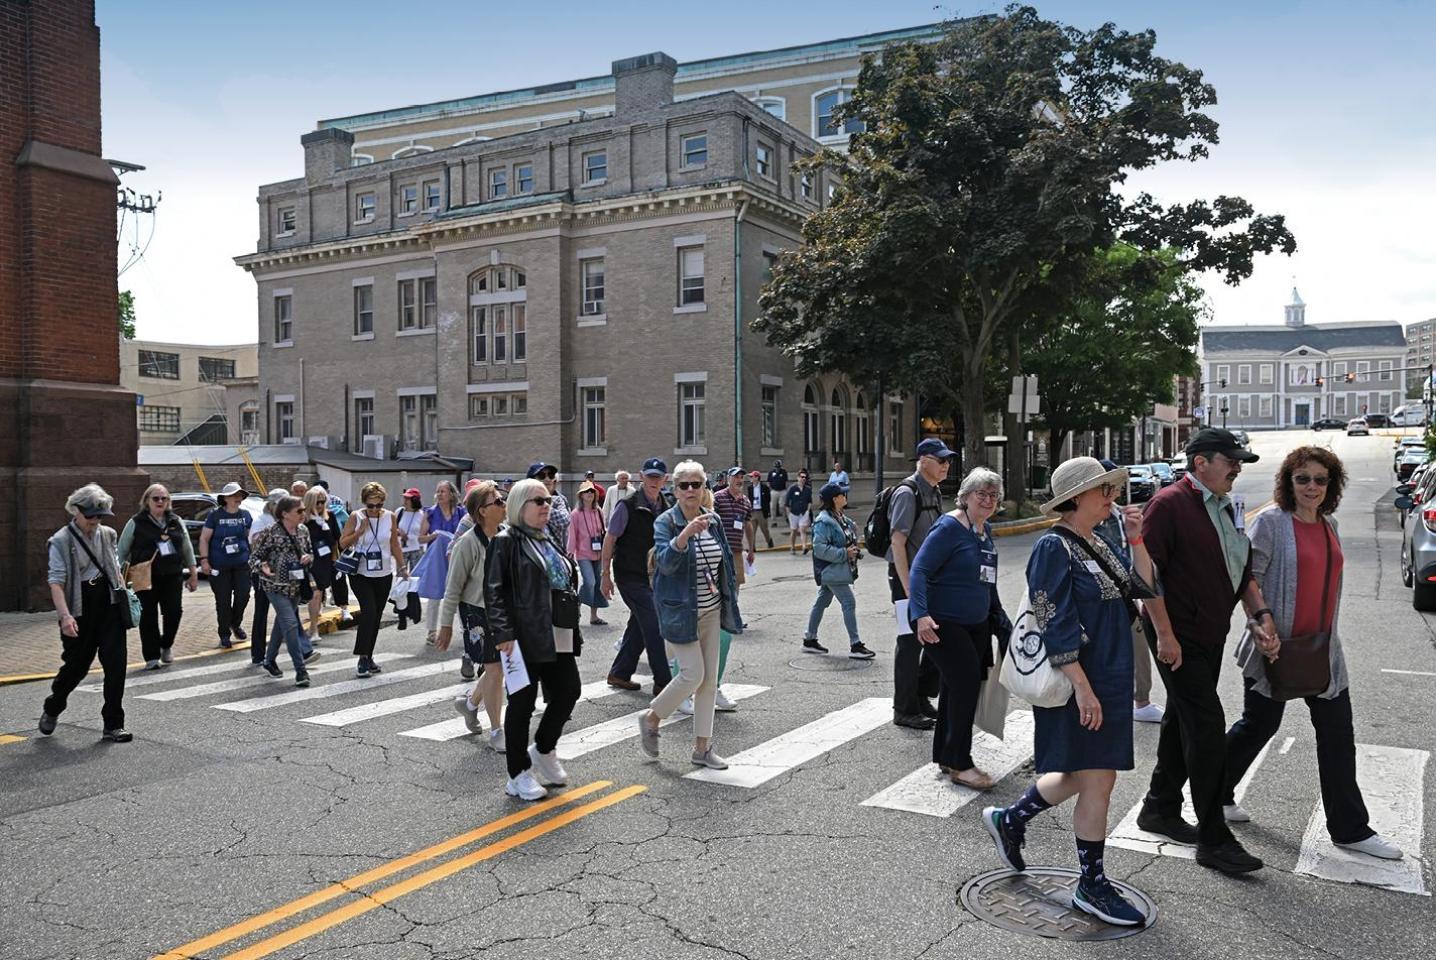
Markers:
point(374, 536)
point(281, 557)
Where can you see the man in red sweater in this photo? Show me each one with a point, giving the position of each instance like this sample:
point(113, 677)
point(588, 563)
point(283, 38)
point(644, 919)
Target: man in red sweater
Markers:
point(1203, 560)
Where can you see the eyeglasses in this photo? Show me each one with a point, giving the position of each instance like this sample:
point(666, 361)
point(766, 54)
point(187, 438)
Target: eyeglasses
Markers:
point(1302, 479)
point(1108, 489)
point(689, 484)
point(985, 495)
point(541, 501)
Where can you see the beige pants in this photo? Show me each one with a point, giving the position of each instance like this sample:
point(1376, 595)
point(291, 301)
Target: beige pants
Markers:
point(697, 675)
point(1141, 664)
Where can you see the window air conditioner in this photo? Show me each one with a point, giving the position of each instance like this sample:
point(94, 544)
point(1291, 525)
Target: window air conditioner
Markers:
point(376, 446)
point(321, 442)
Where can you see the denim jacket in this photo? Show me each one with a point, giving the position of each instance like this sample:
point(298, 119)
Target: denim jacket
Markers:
point(675, 580)
point(830, 549)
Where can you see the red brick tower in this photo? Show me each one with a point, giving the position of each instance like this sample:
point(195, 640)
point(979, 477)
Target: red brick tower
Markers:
point(64, 420)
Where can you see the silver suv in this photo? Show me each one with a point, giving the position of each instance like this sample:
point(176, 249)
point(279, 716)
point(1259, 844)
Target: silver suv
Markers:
point(1418, 539)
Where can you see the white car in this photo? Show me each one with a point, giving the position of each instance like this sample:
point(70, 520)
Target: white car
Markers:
point(1357, 426)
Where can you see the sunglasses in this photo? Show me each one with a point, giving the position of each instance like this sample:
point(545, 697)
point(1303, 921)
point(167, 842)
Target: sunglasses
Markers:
point(374, 506)
point(689, 484)
point(541, 501)
point(1302, 479)
point(160, 499)
point(495, 502)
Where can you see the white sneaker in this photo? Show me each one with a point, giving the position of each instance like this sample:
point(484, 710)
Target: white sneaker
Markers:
point(152, 664)
point(1376, 846)
point(525, 786)
point(686, 707)
point(1151, 713)
point(470, 713)
point(550, 770)
point(723, 704)
point(1233, 813)
point(496, 739)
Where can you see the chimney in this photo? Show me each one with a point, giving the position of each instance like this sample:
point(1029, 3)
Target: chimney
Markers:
point(326, 152)
point(642, 83)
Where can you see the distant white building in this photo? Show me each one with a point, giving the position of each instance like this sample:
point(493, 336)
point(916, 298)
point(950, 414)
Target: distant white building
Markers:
point(1288, 375)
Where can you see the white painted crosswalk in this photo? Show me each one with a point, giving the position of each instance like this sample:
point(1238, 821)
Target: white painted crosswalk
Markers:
point(454, 727)
point(577, 743)
point(232, 666)
point(929, 791)
point(255, 678)
point(756, 766)
point(328, 690)
point(384, 708)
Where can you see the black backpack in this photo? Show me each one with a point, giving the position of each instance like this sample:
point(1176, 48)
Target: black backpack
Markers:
point(877, 533)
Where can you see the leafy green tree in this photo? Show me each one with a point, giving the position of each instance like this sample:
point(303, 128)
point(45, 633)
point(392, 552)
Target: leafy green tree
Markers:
point(127, 315)
point(988, 169)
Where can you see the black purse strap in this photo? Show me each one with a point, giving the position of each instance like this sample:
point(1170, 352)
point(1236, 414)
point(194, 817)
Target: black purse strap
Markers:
point(93, 559)
point(1122, 583)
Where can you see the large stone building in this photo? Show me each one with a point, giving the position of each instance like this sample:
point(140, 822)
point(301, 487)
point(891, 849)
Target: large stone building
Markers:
point(182, 391)
point(577, 289)
point(1420, 351)
point(1289, 375)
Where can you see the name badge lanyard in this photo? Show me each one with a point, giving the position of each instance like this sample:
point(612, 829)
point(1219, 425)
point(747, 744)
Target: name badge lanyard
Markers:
point(374, 558)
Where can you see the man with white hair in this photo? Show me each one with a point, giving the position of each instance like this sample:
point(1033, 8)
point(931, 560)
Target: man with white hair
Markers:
point(619, 491)
point(298, 489)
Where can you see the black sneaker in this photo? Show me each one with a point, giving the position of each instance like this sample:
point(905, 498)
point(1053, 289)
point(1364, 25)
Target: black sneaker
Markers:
point(224, 644)
point(1106, 903)
point(272, 668)
point(47, 724)
point(811, 645)
point(239, 634)
point(860, 652)
point(362, 670)
point(1173, 828)
point(373, 667)
point(914, 721)
point(301, 679)
point(927, 709)
point(466, 668)
point(117, 735)
point(1009, 847)
point(1228, 857)
point(311, 656)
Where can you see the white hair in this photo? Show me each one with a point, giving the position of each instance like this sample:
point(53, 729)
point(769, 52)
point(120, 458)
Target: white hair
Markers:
point(88, 497)
point(978, 478)
point(689, 468)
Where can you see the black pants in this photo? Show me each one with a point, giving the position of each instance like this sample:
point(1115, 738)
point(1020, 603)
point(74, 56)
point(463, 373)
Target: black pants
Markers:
point(1346, 818)
point(372, 593)
point(101, 631)
point(1192, 743)
point(259, 629)
point(163, 597)
point(641, 635)
point(958, 659)
point(915, 678)
point(561, 688)
point(340, 590)
point(231, 596)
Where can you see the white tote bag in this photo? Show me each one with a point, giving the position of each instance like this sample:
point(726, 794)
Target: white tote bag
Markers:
point(1026, 671)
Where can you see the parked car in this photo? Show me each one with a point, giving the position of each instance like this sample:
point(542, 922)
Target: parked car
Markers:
point(1179, 467)
point(1414, 457)
point(193, 508)
point(1142, 482)
point(1164, 473)
point(1406, 443)
point(1357, 427)
point(1329, 423)
point(1418, 543)
point(1377, 420)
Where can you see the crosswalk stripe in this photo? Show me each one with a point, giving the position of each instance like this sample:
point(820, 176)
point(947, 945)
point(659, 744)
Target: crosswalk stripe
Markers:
point(577, 743)
point(455, 728)
point(756, 766)
point(231, 665)
point(1392, 783)
point(253, 678)
point(383, 708)
point(1132, 837)
point(334, 689)
point(932, 793)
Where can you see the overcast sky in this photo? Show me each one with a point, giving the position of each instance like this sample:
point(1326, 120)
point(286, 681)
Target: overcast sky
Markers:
point(1326, 113)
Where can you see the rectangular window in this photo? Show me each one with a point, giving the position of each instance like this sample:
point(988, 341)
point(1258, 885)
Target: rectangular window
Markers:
point(160, 419)
point(431, 195)
point(429, 422)
point(1244, 373)
point(428, 302)
point(690, 275)
point(284, 418)
point(1338, 370)
point(364, 309)
point(695, 150)
point(770, 416)
point(519, 404)
point(895, 426)
point(215, 369)
point(1384, 403)
point(286, 220)
point(1339, 404)
point(1244, 407)
point(1363, 370)
point(1224, 374)
point(364, 207)
point(479, 333)
point(1266, 407)
point(501, 333)
point(524, 178)
point(409, 198)
point(592, 274)
point(690, 414)
point(409, 422)
point(364, 417)
point(1266, 373)
point(283, 320)
point(478, 406)
point(498, 184)
point(807, 183)
point(595, 166)
point(519, 319)
point(770, 261)
point(501, 405)
point(408, 304)
point(1386, 371)
point(765, 161)
point(165, 366)
point(595, 407)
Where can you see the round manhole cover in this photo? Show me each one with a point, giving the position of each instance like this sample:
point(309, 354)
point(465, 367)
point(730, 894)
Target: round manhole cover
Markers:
point(832, 663)
point(1039, 902)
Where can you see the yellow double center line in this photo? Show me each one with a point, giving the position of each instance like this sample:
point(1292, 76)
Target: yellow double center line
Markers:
point(378, 898)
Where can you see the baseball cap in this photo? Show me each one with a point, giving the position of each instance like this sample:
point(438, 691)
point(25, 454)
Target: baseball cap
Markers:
point(933, 447)
point(538, 468)
point(755, 474)
point(91, 513)
point(733, 472)
point(654, 467)
point(588, 473)
point(1217, 440)
point(413, 492)
point(473, 482)
point(830, 490)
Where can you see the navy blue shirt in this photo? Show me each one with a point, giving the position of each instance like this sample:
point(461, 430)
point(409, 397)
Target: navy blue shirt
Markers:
point(228, 538)
point(954, 575)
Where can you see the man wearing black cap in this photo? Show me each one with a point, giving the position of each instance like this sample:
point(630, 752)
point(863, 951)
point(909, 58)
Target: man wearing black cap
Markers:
point(599, 493)
point(558, 519)
point(624, 560)
point(1204, 562)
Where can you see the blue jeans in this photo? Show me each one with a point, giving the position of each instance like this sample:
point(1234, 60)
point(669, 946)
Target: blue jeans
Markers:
point(588, 594)
point(286, 629)
point(846, 600)
point(641, 635)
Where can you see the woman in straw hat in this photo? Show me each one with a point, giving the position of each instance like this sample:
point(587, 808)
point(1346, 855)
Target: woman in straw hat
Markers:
point(1080, 593)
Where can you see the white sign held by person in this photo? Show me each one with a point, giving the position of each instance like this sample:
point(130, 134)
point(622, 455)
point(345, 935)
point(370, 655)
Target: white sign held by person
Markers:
point(516, 673)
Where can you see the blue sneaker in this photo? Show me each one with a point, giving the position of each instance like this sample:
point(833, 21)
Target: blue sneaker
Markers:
point(1009, 848)
point(1106, 903)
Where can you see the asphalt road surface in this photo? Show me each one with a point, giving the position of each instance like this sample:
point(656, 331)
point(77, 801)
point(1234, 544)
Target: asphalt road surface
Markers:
point(251, 820)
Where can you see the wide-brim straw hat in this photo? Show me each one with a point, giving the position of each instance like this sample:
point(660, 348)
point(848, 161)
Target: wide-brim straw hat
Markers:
point(1079, 475)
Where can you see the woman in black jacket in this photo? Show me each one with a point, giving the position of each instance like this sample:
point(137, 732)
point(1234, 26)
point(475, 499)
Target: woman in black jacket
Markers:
point(157, 534)
point(532, 602)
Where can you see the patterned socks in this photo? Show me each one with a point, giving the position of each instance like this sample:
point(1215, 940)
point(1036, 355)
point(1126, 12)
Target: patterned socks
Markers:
point(1089, 856)
point(1028, 806)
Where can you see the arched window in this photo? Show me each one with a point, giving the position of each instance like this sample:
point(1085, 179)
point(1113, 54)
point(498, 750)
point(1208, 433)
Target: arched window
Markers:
point(412, 150)
point(863, 424)
point(360, 159)
point(824, 103)
point(777, 106)
point(838, 421)
point(498, 314)
point(812, 421)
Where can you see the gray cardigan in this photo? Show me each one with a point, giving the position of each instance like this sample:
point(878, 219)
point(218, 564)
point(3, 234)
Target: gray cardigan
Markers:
point(1273, 537)
point(68, 558)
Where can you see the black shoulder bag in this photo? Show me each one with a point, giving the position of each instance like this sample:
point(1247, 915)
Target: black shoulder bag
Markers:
point(1132, 587)
point(1304, 667)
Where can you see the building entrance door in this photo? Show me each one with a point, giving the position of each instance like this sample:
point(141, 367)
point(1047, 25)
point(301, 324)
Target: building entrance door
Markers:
point(1303, 415)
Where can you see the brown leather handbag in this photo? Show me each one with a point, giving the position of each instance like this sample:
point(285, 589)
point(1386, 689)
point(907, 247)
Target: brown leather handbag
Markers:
point(1303, 667)
point(140, 576)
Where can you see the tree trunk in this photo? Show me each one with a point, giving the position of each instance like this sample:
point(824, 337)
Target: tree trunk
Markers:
point(974, 413)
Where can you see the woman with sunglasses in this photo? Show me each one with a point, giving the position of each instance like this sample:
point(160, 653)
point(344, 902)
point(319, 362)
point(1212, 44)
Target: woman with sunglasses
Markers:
point(1297, 560)
point(281, 559)
point(156, 534)
point(374, 537)
point(469, 560)
point(531, 598)
point(798, 501)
